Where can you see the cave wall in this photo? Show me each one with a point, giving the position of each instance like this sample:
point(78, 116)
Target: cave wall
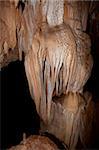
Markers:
point(30, 31)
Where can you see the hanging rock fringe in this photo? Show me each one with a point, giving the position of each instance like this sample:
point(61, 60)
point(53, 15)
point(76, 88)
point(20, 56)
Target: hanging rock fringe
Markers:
point(57, 61)
point(54, 59)
point(54, 67)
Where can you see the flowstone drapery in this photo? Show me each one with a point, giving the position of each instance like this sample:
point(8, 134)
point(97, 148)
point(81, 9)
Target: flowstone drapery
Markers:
point(51, 34)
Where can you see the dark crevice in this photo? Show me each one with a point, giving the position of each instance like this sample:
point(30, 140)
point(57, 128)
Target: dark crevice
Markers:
point(44, 68)
point(21, 5)
point(18, 113)
point(92, 84)
point(59, 143)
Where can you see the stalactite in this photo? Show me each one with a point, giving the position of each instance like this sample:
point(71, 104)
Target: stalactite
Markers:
point(8, 26)
point(57, 61)
point(54, 53)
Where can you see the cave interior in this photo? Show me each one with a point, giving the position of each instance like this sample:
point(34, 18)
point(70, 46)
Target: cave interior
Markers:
point(18, 112)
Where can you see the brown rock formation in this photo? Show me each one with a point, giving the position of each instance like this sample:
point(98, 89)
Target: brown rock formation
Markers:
point(35, 143)
point(57, 60)
point(8, 26)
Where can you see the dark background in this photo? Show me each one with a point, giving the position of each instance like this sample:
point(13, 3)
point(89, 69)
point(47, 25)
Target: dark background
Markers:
point(18, 114)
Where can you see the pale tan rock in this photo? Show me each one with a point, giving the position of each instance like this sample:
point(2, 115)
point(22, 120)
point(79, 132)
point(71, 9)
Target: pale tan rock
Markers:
point(8, 26)
point(36, 142)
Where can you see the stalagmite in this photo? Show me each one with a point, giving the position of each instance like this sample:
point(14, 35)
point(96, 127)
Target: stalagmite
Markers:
point(35, 143)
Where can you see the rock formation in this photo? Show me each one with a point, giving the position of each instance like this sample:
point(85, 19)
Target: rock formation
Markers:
point(51, 35)
point(35, 143)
